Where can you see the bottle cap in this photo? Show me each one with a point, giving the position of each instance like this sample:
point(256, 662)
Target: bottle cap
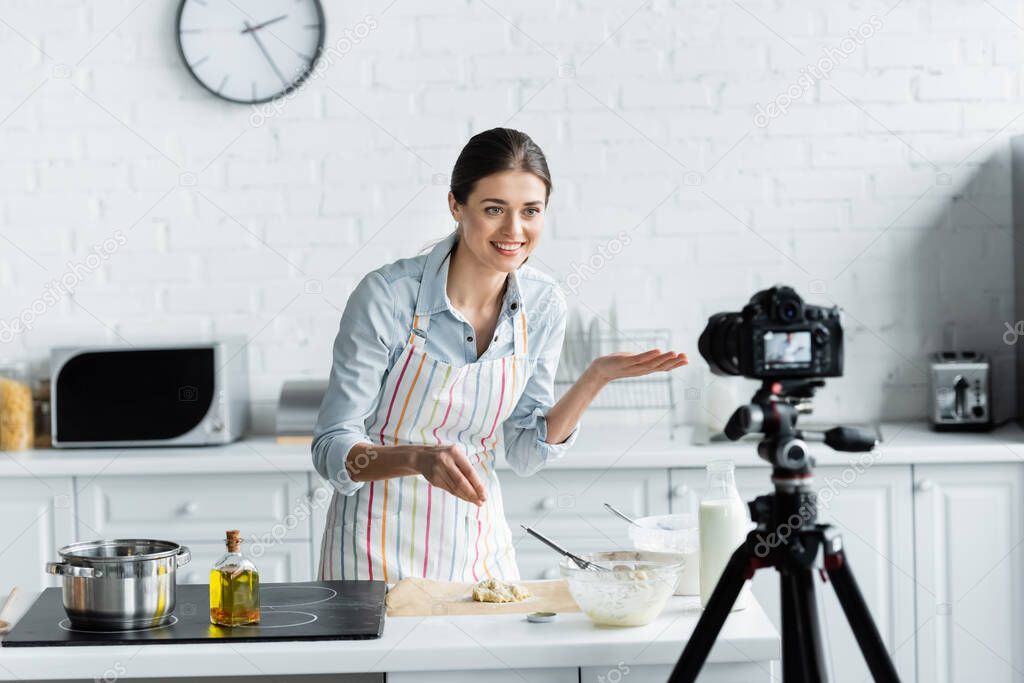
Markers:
point(233, 539)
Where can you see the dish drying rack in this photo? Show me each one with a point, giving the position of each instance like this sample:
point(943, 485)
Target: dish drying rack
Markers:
point(650, 393)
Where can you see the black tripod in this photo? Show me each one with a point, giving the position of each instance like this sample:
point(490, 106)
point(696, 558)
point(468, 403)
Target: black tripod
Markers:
point(788, 538)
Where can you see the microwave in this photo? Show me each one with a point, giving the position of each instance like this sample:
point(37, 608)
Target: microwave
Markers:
point(165, 395)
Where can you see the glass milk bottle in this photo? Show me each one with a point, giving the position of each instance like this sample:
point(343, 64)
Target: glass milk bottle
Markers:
point(724, 524)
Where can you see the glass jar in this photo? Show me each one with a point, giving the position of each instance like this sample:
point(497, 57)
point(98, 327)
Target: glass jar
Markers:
point(17, 420)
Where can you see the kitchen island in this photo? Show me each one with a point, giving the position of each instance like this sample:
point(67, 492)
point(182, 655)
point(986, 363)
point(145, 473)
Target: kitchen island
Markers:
point(436, 648)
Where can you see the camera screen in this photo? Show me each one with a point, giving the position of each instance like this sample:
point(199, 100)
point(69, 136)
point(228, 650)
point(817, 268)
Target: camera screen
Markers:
point(787, 349)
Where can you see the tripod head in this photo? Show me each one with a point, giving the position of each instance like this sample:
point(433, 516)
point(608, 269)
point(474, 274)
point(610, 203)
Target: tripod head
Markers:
point(773, 411)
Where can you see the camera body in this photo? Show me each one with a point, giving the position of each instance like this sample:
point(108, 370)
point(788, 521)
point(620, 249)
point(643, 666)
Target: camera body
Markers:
point(775, 336)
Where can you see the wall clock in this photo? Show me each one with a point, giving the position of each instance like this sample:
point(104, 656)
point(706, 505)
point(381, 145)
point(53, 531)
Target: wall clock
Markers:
point(250, 51)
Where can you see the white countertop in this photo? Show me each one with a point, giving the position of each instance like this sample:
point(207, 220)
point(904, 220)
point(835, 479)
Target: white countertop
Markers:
point(598, 447)
point(413, 644)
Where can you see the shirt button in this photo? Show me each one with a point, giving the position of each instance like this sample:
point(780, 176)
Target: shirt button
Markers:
point(513, 305)
point(469, 339)
point(495, 337)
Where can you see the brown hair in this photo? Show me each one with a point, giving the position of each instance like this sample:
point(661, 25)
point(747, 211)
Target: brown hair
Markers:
point(494, 151)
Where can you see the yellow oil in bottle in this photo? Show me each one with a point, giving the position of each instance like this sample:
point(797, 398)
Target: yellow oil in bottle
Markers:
point(234, 597)
point(234, 587)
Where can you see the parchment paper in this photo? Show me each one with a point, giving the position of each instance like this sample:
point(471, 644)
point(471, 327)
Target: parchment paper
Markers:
point(412, 597)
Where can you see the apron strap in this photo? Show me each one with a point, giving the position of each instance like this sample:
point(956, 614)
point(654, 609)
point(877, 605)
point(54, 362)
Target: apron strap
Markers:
point(519, 334)
point(421, 323)
point(418, 333)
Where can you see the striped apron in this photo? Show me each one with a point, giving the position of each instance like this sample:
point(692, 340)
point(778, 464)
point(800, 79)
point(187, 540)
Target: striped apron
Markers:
point(404, 526)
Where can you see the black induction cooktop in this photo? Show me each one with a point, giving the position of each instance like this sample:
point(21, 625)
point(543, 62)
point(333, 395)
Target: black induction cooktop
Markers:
point(314, 610)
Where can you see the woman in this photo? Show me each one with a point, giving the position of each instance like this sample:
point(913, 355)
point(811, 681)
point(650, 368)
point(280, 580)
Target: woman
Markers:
point(443, 363)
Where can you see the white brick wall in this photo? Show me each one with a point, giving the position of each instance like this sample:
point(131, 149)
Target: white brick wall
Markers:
point(885, 184)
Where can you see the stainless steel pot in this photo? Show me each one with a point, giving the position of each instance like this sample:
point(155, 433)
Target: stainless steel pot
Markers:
point(121, 584)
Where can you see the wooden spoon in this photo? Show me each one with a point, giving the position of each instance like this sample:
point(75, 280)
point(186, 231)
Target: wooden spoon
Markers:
point(5, 626)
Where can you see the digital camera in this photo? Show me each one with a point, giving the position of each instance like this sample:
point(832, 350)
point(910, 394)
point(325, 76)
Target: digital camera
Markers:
point(775, 336)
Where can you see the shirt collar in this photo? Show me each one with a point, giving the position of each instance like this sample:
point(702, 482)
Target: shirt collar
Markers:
point(433, 294)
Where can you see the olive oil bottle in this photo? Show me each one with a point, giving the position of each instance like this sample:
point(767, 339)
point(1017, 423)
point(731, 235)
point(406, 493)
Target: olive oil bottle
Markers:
point(234, 587)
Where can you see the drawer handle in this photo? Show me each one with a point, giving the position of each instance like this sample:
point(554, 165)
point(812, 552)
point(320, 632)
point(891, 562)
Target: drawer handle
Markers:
point(550, 573)
point(925, 485)
point(189, 508)
point(680, 490)
point(548, 503)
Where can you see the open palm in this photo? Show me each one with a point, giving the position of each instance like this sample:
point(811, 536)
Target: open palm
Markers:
point(624, 364)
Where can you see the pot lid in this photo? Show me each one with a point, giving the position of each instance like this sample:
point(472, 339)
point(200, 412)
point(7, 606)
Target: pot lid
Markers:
point(119, 550)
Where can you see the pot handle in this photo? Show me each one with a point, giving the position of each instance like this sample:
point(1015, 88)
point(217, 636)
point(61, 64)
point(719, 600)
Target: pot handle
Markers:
point(65, 569)
point(184, 556)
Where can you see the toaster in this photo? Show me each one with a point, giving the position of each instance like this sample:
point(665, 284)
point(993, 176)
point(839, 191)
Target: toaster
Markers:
point(163, 395)
point(961, 384)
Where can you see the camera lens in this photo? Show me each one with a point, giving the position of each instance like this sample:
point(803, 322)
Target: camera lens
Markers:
point(718, 343)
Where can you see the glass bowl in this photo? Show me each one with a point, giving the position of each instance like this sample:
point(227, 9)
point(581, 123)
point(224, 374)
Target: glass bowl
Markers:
point(674, 534)
point(633, 594)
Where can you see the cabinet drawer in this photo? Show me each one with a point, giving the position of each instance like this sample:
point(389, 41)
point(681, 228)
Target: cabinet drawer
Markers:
point(36, 519)
point(278, 563)
point(537, 561)
point(535, 565)
point(571, 503)
point(194, 508)
point(504, 673)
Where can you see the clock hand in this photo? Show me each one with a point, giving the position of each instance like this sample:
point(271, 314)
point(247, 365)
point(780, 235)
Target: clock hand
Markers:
point(250, 29)
point(259, 44)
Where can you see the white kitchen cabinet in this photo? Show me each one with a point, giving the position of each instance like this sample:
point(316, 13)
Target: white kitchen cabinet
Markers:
point(568, 505)
point(37, 520)
point(969, 533)
point(277, 563)
point(872, 510)
point(624, 672)
point(536, 561)
point(504, 674)
point(309, 678)
point(194, 508)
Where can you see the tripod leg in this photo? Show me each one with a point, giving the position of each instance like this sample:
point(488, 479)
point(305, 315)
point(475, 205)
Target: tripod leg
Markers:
point(857, 613)
point(802, 655)
point(715, 613)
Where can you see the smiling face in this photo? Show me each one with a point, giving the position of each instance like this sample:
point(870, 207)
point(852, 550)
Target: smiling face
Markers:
point(502, 219)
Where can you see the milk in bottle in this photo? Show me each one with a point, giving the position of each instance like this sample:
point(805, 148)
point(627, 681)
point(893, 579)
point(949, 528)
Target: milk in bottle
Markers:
point(724, 524)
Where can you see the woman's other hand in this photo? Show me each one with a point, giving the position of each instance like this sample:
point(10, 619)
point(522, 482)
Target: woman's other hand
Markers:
point(448, 468)
point(624, 364)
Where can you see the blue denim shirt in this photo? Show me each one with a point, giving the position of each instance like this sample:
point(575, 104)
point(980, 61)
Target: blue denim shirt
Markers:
point(375, 328)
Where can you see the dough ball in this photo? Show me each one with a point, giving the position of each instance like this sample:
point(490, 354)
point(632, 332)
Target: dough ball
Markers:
point(493, 590)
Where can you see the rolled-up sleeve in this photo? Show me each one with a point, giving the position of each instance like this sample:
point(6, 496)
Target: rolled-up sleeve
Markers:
point(526, 430)
point(360, 362)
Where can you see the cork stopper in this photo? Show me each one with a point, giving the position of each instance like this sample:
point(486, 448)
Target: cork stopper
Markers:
point(233, 540)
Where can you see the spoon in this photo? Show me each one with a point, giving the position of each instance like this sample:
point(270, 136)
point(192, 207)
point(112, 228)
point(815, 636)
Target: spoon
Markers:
point(5, 626)
point(580, 562)
point(619, 513)
point(659, 524)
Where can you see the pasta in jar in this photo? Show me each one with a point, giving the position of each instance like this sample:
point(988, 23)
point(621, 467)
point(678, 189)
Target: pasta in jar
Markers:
point(16, 410)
